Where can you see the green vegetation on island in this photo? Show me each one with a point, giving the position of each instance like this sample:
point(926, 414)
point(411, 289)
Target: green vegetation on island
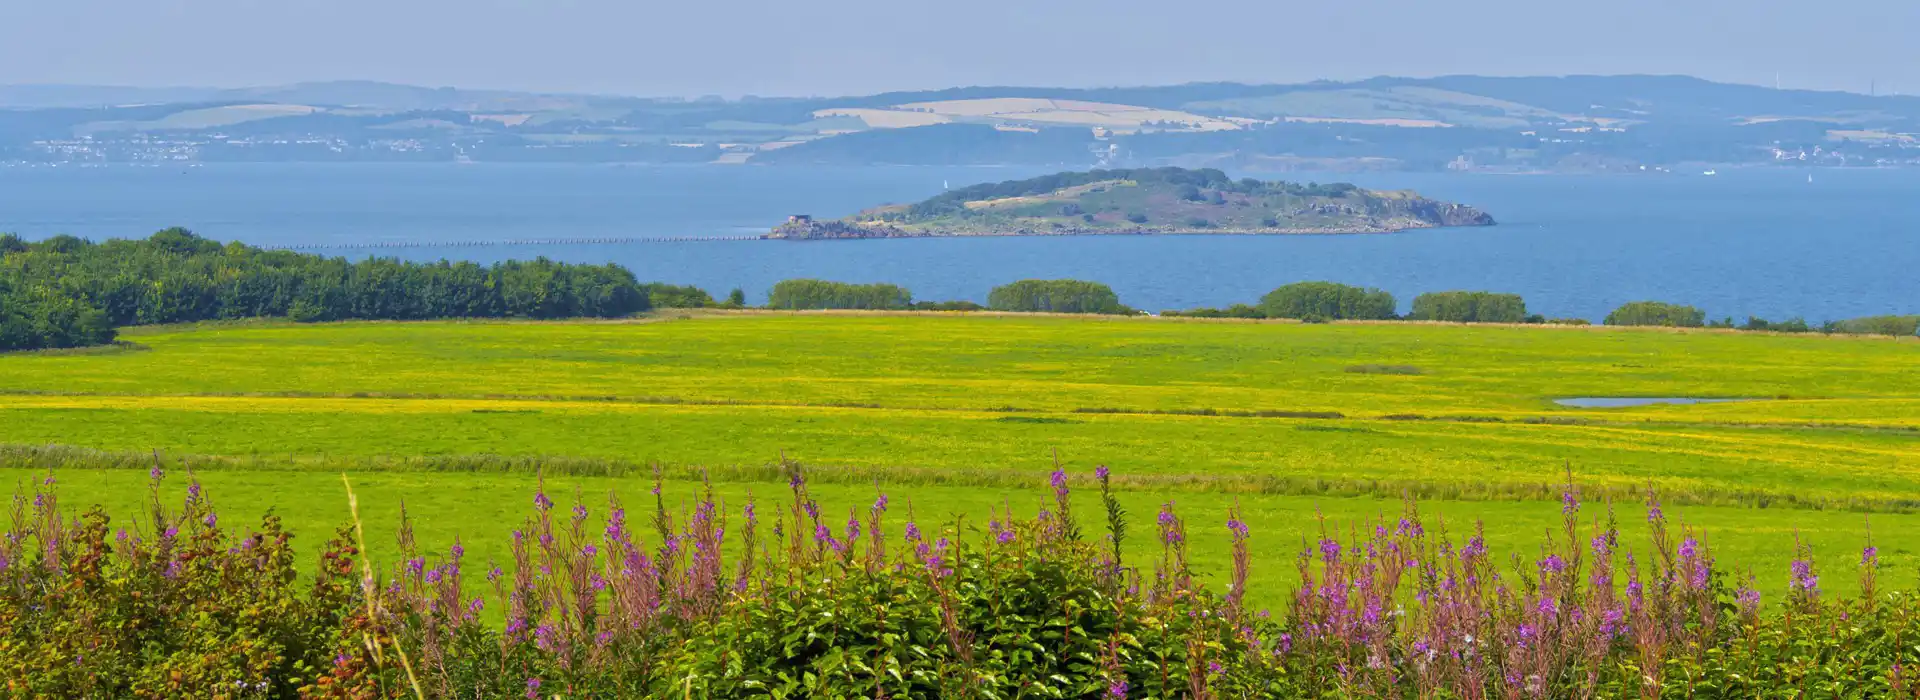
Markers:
point(1143, 201)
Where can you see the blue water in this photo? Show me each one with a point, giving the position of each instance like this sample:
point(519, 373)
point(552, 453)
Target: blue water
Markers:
point(1759, 242)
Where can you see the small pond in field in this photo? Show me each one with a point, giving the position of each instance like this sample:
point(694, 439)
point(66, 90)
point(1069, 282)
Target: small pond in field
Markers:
point(1626, 401)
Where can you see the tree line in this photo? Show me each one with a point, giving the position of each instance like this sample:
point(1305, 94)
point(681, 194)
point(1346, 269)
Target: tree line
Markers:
point(68, 292)
point(1057, 296)
point(1328, 301)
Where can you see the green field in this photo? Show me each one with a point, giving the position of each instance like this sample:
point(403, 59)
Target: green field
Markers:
point(968, 410)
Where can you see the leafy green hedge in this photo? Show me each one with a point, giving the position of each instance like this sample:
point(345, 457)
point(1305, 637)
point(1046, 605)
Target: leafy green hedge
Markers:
point(805, 294)
point(1059, 296)
point(1328, 300)
point(1469, 307)
point(1656, 313)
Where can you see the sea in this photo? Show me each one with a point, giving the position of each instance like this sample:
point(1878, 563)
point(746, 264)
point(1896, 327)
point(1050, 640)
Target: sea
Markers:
point(1770, 242)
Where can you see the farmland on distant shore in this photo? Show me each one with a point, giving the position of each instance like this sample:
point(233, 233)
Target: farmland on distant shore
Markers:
point(959, 411)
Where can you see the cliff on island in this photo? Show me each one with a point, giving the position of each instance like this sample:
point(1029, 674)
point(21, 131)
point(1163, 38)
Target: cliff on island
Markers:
point(1144, 201)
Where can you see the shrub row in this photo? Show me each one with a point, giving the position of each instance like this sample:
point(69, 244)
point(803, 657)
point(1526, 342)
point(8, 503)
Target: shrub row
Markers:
point(1325, 301)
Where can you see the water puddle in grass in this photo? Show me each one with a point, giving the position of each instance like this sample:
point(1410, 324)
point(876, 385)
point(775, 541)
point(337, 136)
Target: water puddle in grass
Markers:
point(1627, 401)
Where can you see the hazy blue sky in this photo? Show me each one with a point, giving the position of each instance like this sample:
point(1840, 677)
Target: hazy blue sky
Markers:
point(657, 47)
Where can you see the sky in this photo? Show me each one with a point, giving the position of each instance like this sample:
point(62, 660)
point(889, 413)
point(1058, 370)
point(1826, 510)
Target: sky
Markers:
point(842, 47)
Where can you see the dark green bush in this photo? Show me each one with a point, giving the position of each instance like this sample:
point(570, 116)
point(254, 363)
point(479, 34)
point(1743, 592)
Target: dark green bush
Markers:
point(1235, 311)
point(667, 296)
point(1655, 313)
point(1469, 307)
point(947, 306)
point(1320, 301)
point(1881, 325)
point(1059, 296)
point(808, 294)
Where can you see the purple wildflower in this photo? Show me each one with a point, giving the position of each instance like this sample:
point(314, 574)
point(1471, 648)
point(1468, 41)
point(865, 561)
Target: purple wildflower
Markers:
point(1237, 527)
point(533, 688)
point(1553, 564)
point(1119, 688)
point(1411, 528)
point(1476, 548)
point(1059, 482)
point(1005, 537)
point(912, 531)
point(541, 502)
point(1803, 579)
point(1101, 473)
point(1329, 551)
point(1870, 556)
point(211, 519)
point(476, 606)
point(880, 504)
point(1749, 600)
point(1569, 503)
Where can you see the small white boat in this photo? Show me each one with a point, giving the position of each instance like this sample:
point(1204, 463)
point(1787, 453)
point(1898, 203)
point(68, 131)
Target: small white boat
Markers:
point(1711, 172)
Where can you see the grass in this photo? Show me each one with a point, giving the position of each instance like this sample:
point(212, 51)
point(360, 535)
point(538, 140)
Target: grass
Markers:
point(1226, 406)
point(977, 362)
point(483, 509)
point(965, 410)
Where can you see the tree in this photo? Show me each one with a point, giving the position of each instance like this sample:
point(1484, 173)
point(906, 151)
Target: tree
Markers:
point(1061, 296)
point(737, 298)
point(1655, 313)
point(1327, 301)
point(1469, 307)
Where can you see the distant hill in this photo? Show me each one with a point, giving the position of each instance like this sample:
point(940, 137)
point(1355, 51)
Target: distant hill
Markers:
point(1473, 123)
point(363, 94)
point(1144, 201)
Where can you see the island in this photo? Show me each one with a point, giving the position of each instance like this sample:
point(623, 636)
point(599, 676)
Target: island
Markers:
point(1142, 201)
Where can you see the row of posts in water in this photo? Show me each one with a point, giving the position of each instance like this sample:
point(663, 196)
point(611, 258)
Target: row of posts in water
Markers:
point(532, 241)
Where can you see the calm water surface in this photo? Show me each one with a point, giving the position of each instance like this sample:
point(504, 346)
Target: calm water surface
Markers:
point(1762, 242)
